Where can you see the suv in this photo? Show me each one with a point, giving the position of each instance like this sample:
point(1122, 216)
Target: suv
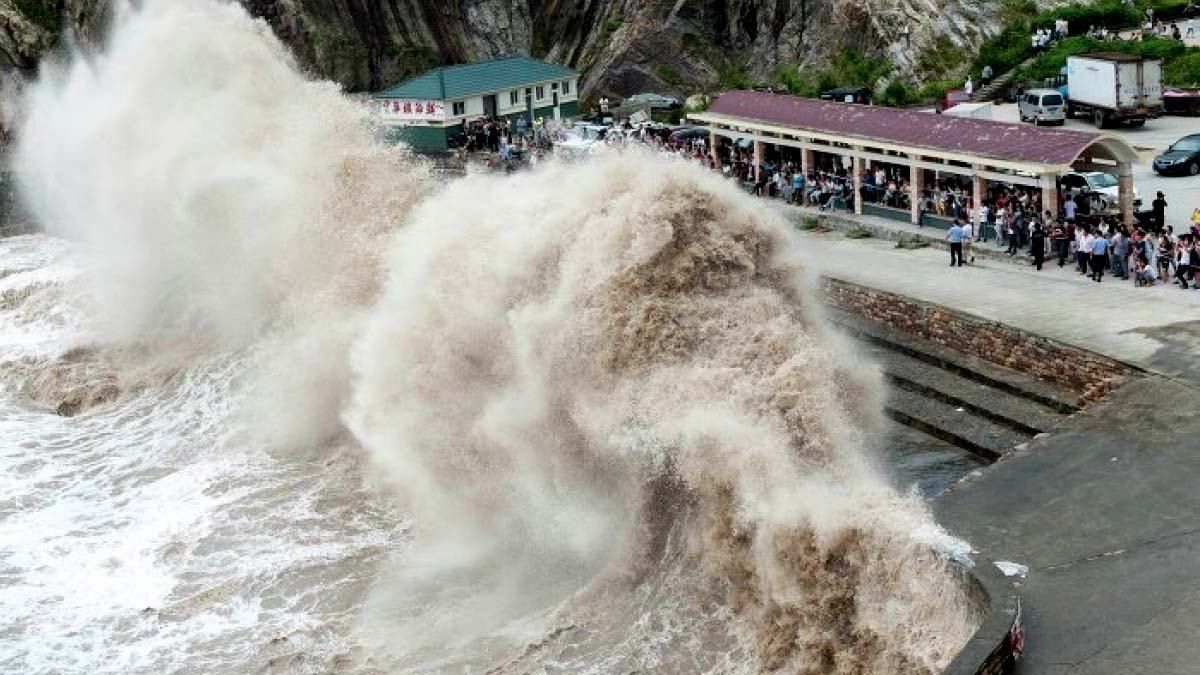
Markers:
point(1103, 184)
point(1042, 105)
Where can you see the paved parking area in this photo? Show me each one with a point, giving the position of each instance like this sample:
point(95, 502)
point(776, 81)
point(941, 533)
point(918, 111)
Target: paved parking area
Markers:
point(1182, 192)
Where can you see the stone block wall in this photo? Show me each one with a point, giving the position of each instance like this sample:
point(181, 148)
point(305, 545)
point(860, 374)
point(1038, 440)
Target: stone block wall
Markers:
point(1091, 375)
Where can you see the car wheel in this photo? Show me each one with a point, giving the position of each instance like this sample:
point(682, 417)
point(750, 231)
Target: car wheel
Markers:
point(1098, 118)
point(1194, 168)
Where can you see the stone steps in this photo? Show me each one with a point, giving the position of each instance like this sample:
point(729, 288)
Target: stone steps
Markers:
point(1051, 396)
point(999, 83)
point(916, 376)
point(957, 399)
point(955, 425)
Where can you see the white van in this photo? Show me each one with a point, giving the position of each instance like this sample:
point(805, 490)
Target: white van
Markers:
point(1042, 106)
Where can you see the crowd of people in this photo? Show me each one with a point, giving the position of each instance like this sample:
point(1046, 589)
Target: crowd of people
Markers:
point(1080, 234)
point(508, 144)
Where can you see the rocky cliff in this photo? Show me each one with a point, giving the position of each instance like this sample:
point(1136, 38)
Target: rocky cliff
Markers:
point(621, 46)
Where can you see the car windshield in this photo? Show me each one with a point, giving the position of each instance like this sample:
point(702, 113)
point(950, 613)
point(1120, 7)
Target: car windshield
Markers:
point(1052, 99)
point(1103, 180)
point(1187, 145)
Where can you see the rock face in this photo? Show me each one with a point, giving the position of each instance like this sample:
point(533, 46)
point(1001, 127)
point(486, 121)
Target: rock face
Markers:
point(621, 46)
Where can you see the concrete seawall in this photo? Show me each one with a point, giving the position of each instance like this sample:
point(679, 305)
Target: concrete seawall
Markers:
point(965, 341)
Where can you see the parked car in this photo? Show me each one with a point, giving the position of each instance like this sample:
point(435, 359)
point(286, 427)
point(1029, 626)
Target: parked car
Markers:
point(688, 133)
point(1103, 184)
point(1042, 106)
point(848, 95)
point(1183, 157)
point(951, 98)
point(655, 101)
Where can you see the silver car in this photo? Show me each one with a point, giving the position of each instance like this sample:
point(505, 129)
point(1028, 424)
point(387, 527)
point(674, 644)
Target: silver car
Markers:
point(1042, 106)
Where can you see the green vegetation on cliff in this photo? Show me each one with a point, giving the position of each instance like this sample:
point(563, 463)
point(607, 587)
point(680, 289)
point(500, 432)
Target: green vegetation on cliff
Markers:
point(1010, 47)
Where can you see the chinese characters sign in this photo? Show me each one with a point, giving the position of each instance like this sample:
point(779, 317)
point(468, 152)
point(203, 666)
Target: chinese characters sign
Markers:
point(408, 110)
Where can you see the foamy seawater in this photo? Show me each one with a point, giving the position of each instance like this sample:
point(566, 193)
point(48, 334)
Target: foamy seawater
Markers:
point(286, 403)
point(145, 536)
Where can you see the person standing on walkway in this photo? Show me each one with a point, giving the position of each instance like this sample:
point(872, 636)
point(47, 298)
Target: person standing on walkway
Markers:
point(1160, 212)
point(1099, 256)
point(986, 76)
point(1121, 248)
point(1037, 244)
point(955, 237)
point(1012, 227)
point(1001, 227)
point(1059, 236)
point(968, 238)
point(1083, 248)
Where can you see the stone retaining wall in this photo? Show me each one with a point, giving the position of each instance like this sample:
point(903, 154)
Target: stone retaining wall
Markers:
point(1089, 374)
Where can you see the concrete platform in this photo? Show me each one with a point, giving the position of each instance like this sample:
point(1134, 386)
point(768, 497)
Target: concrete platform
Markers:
point(1104, 509)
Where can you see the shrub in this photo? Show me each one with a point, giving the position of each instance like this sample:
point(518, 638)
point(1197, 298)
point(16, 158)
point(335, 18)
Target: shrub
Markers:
point(611, 24)
point(942, 57)
point(666, 73)
point(809, 223)
point(911, 242)
point(858, 232)
point(735, 77)
point(1183, 71)
point(934, 89)
point(897, 93)
point(1174, 55)
point(42, 12)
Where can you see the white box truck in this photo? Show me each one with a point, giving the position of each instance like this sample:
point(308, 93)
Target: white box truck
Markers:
point(1111, 87)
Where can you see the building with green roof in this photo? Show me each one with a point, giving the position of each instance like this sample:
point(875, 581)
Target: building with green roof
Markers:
point(427, 110)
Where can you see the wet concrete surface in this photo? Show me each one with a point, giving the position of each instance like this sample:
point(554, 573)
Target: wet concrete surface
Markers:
point(1105, 512)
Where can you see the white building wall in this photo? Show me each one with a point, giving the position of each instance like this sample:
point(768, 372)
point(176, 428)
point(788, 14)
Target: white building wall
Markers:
point(504, 106)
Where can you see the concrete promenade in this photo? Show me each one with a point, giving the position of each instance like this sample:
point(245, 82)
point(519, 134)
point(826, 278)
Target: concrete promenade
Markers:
point(1105, 511)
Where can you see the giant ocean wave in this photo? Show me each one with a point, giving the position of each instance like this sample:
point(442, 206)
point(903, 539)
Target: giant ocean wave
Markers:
point(337, 416)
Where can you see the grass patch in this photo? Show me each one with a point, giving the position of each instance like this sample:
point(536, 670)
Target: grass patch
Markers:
point(913, 242)
point(858, 232)
point(809, 224)
point(611, 25)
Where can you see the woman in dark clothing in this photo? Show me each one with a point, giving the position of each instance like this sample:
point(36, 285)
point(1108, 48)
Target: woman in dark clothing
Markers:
point(1037, 244)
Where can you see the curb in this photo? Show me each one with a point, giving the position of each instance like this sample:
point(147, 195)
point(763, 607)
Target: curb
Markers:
point(1000, 639)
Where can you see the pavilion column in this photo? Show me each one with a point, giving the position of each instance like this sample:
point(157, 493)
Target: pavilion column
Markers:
point(758, 160)
point(916, 187)
point(856, 173)
point(1050, 195)
point(1125, 192)
point(713, 139)
point(806, 162)
point(978, 190)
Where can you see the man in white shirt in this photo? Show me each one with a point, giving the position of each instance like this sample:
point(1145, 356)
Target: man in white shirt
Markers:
point(1085, 251)
point(1069, 209)
point(968, 236)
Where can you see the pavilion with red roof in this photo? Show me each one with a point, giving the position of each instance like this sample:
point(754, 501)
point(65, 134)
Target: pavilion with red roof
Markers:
point(983, 150)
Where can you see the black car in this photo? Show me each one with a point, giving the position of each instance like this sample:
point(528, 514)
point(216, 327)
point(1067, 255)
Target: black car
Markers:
point(1183, 157)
